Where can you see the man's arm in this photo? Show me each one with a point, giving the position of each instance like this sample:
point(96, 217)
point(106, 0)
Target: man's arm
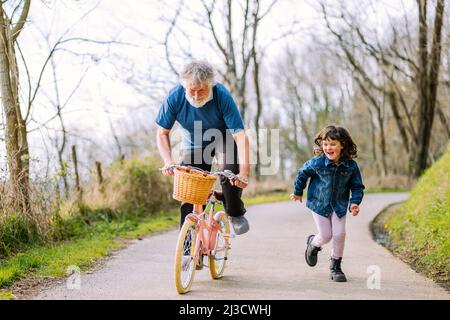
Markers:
point(163, 143)
point(243, 149)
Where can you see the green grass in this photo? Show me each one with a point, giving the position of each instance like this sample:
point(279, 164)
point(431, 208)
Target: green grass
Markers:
point(6, 295)
point(267, 198)
point(84, 250)
point(385, 190)
point(419, 230)
point(90, 241)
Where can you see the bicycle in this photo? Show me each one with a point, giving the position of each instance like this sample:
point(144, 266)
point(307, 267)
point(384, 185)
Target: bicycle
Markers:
point(204, 232)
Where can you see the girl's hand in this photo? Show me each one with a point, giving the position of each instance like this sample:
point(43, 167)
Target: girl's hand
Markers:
point(354, 208)
point(296, 198)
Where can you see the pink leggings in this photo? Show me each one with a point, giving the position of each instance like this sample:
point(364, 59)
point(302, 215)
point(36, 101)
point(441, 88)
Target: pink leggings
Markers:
point(329, 228)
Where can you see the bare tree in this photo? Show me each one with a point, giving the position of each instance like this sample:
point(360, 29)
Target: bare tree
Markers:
point(54, 96)
point(16, 131)
point(387, 72)
point(428, 80)
point(236, 46)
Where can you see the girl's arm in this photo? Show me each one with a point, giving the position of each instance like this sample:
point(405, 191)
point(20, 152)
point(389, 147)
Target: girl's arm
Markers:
point(303, 174)
point(356, 187)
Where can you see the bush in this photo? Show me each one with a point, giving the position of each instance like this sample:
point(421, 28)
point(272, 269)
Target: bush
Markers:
point(15, 234)
point(132, 188)
point(135, 186)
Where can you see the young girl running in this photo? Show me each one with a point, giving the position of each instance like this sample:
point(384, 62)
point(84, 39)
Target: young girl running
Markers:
point(335, 186)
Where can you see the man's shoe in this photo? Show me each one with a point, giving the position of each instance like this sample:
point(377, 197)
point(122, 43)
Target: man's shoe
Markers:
point(336, 273)
point(311, 252)
point(240, 225)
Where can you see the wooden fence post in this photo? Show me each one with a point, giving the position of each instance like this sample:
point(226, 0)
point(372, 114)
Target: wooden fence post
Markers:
point(98, 164)
point(77, 176)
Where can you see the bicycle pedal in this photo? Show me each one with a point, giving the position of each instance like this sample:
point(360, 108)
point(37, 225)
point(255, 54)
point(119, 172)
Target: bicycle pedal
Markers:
point(229, 235)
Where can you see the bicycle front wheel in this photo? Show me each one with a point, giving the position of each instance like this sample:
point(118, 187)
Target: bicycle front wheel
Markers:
point(184, 257)
point(218, 261)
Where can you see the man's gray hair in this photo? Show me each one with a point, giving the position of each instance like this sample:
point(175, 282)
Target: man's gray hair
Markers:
point(197, 73)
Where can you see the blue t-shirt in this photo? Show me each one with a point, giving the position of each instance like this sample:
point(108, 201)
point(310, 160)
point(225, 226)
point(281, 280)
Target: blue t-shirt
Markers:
point(220, 113)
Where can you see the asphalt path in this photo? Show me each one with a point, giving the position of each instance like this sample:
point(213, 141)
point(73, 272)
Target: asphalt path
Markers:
point(265, 263)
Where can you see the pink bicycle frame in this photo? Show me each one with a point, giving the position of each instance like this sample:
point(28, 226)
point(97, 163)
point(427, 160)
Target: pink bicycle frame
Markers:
point(206, 230)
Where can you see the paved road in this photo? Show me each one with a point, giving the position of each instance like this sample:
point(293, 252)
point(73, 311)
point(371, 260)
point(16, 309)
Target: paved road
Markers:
point(266, 263)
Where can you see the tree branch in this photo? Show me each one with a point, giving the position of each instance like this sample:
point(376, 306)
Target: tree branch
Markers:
point(21, 22)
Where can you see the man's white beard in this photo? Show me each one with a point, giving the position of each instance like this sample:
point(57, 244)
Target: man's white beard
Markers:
point(199, 104)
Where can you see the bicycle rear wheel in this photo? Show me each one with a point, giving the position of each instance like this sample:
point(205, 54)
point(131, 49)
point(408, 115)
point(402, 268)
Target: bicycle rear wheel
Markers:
point(184, 257)
point(218, 261)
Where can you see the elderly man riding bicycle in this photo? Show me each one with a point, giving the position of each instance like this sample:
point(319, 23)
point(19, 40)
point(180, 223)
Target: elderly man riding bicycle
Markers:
point(212, 126)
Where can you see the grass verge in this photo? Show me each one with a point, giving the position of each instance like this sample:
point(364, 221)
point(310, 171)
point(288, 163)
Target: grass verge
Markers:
point(97, 241)
point(386, 190)
point(418, 230)
point(90, 243)
point(266, 198)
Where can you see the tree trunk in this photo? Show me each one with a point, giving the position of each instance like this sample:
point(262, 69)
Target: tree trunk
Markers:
point(303, 122)
point(443, 119)
point(380, 118)
point(258, 112)
point(373, 142)
point(398, 120)
point(16, 133)
point(427, 81)
point(22, 128)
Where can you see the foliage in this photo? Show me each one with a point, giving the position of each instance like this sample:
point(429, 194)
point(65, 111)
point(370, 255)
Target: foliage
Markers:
point(89, 243)
point(133, 189)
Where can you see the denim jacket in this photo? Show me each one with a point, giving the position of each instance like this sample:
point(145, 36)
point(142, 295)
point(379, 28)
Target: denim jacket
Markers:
point(330, 185)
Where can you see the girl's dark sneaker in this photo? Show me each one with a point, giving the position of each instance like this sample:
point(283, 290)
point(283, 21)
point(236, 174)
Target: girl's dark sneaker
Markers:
point(311, 252)
point(336, 273)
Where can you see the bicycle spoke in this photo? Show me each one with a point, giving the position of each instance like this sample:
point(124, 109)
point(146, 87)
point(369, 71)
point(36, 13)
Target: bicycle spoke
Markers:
point(218, 261)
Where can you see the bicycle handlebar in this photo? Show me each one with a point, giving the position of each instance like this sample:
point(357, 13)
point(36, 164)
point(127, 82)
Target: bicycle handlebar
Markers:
point(226, 173)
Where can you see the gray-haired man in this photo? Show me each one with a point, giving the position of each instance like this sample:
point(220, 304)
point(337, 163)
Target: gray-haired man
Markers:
point(212, 125)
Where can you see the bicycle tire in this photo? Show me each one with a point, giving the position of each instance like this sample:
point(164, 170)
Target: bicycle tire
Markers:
point(185, 277)
point(217, 263)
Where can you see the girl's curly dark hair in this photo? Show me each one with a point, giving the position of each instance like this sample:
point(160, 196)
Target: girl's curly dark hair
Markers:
point(349, 151)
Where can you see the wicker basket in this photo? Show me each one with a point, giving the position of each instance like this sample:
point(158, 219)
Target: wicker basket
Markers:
point(192, 186)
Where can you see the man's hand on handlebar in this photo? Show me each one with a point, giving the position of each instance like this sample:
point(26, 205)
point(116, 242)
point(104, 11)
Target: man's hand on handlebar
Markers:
point(167, 170)
point(241, 181)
